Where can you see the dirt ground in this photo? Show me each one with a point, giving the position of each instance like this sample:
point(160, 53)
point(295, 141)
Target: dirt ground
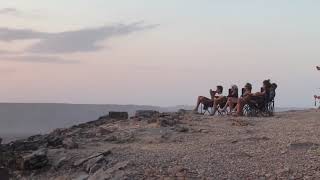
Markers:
point(286, 146)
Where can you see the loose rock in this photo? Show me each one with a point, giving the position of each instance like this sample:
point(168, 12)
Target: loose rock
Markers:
point(70, 144)
point(36, 160)
point(146, 113)
point(119, 115)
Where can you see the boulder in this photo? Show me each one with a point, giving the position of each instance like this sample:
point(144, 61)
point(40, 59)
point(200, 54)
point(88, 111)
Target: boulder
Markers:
point(119, 115)
point(36, 160)
point(165, 122)
point(70, 144)
point(80, 162)
point(146, 113)
point(24, 145)
point(33, 143)
point(58, 164)
point(92, 165)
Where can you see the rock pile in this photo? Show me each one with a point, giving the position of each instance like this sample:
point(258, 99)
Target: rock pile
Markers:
point(36, 160)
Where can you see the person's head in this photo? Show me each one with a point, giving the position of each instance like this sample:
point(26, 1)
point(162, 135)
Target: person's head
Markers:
point(248, 87)
point(274, 86)
point(266, 84)
point(219, 89)
point(234, 88)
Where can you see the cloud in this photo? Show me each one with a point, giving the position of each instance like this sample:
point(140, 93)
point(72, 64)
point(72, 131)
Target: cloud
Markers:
point(7, 34)
point(38, 59)
point(83, 40)
point(11, 11)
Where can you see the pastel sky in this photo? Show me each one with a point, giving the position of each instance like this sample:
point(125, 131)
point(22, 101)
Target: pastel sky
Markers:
point(156, 52)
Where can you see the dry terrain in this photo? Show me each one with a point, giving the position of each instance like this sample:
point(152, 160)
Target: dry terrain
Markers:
point(177, 146)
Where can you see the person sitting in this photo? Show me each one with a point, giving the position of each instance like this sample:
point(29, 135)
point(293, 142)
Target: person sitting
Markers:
point(259, 97)
point(219, 100)
point(246, 91)
point(209, 102)
point(232, 98)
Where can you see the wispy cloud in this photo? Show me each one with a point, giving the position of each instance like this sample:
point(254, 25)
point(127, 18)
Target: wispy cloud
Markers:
point(83, 40)
point(38, 59)
point(9, 11)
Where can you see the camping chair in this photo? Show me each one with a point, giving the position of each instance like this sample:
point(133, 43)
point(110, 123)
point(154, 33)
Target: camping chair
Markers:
point(208, 109)
point(266, 108)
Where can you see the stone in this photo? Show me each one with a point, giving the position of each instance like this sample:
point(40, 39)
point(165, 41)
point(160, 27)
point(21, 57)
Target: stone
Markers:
point(165, 122)
point(54, 141)
point(104, 131)
point(70, 144)
point(181, 129)
point(60, 163)
point(84, 160)
point(95, 168)
point(303, 146)
point(36, 160)
point(91, 165)
point(108, 173)
point(119, 115)
point(82, 177)
point(24, 145)
point(121, 137)
point(146, 113)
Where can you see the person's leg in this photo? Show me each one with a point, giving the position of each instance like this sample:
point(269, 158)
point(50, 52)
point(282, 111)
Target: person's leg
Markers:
point(199, 100)
point(232, 103)
point(216, 102)
point(241, 103)
point(227, 104)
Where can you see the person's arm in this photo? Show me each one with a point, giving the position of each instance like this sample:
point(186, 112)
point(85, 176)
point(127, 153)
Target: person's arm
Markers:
point(212, 94)
point(260, 93)
point(247, 93)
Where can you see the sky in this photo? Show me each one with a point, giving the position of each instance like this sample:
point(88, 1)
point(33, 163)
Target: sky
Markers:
point(152, 52)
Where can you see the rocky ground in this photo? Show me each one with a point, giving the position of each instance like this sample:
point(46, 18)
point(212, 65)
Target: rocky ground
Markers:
point(172, 146)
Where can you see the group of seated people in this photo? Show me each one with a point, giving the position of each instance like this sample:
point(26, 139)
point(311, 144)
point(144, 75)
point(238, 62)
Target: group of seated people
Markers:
point(233, 104)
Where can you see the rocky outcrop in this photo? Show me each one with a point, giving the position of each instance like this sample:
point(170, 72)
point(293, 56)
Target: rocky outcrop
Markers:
point(146, 113)
point(119, 115)
point(33, 161)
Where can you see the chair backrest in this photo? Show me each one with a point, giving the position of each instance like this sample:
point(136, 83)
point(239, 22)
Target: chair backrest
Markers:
point(243, 90)
point(272, 95)
point(230, 92)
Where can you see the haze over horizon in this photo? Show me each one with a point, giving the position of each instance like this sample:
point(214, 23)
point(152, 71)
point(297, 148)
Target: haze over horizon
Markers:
point(156, 53)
